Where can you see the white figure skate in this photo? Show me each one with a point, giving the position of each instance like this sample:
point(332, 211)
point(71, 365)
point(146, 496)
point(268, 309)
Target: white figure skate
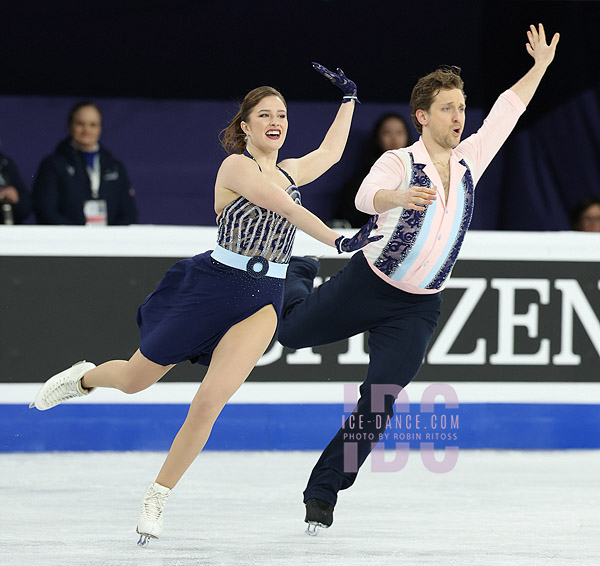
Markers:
point(150, 519)
point(64, 385)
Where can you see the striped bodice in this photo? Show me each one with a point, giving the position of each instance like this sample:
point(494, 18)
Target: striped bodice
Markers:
point(250, 230)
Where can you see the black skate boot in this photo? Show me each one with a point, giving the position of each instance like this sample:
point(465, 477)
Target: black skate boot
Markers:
point(319, 513)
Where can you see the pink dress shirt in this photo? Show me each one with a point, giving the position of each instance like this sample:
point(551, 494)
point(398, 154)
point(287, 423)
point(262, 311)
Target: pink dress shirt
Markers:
point(419, 248)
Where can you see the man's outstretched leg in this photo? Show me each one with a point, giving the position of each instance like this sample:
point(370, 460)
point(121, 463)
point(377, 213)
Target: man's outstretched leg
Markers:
point(333, 311)
point(397, 349)
point(299, 282)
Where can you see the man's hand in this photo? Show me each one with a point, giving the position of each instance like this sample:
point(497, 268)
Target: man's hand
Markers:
point(414, 198)
point(537, 47)
point(543, 54)
point(9, 194)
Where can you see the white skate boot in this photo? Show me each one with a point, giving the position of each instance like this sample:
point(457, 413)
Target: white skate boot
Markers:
point(64, 385)
point(150, 520)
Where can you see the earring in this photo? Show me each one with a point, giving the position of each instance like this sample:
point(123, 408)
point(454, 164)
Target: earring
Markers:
point(246, 138)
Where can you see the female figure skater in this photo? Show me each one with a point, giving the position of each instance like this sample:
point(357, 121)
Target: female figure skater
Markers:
point(221, 308)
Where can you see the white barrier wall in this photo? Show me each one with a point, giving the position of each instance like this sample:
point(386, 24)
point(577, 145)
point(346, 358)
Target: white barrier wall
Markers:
point(518, 343)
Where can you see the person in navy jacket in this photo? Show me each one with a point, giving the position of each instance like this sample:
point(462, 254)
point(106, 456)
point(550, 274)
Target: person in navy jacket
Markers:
point(81, 182)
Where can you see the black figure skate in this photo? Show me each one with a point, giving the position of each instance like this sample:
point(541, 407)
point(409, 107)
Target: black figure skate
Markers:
point(319, 513)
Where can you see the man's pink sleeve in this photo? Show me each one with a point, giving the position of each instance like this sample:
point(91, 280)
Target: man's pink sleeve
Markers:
point(387, 173)
point(480, 148)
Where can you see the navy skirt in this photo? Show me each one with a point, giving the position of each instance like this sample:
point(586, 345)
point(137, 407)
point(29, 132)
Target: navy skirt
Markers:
point(197, 301)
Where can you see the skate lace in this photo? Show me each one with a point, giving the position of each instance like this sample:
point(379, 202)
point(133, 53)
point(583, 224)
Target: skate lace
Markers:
point(62, 390)
point(153, 504)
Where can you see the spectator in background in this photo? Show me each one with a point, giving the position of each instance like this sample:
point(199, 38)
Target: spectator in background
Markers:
point(14, 197)
point(585, 215)
point(81, 182)
point(390, 131)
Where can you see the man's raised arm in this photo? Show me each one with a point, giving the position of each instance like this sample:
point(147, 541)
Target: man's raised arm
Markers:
point(543, 54)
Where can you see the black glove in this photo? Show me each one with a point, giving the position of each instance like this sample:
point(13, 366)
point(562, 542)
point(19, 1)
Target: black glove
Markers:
point(340, 80)
point(360, 239)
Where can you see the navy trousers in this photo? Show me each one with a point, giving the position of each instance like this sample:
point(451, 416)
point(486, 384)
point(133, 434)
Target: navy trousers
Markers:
point(353, 301)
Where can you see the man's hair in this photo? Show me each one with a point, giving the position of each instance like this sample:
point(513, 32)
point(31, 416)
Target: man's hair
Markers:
point(446, 77)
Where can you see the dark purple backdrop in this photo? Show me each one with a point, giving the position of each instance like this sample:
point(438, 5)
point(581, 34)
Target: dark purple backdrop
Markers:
point(156, 65)
point(172, 154)
point(171, 150)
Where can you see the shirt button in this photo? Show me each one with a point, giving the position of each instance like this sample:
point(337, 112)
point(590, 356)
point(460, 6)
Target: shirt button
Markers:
point(440, 237)
point(446, 212)
point(426, 264)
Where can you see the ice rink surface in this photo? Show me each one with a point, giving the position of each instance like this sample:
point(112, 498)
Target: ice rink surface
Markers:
point(245, 508)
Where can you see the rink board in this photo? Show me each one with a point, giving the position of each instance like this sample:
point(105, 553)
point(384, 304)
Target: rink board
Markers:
point(281, 417)
point(518, 341)
point(519, 306)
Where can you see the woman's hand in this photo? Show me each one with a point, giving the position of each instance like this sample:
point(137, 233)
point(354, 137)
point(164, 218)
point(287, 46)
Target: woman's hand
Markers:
point(360, 239)
point(340, 80)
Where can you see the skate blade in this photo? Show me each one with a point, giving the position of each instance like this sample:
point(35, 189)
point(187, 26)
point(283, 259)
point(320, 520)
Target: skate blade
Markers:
point(313, 528)
point(144, 540)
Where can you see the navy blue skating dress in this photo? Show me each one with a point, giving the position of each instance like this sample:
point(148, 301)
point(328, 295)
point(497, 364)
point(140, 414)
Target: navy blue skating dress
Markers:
point(199, 299)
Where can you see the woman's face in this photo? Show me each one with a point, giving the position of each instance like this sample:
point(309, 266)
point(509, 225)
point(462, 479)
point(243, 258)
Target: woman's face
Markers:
point(392, 134)
point(85, 128)
point(589, 221)
point(267, 124)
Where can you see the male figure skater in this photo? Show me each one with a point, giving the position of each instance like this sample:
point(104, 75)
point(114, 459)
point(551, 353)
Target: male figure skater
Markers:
point(424, 197)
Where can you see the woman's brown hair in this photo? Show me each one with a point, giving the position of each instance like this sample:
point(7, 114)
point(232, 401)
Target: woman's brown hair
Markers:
point(232, 138)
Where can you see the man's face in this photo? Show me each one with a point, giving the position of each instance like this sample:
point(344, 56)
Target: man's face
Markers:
point(85, 128)
point(445, 121)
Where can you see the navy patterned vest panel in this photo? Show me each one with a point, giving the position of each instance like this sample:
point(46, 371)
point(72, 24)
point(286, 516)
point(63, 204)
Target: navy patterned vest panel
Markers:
point(247, 229)
point(408, 227)
point(410, 223)
point(465, 221)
